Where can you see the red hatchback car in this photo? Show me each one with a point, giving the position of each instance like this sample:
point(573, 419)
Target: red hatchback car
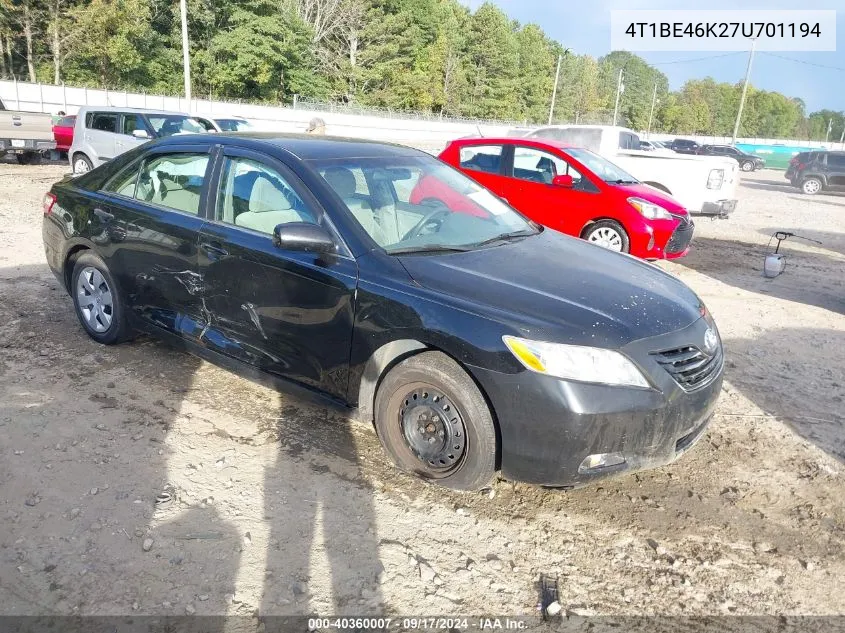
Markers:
point(571, 190)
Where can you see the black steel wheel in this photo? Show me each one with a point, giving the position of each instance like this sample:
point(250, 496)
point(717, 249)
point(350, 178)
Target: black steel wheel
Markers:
point(433, 421)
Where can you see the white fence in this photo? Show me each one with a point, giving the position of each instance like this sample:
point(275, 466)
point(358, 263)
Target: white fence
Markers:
point(427, 134)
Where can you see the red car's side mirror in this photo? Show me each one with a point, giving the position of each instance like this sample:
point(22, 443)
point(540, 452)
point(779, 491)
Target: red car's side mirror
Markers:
point(563, 181)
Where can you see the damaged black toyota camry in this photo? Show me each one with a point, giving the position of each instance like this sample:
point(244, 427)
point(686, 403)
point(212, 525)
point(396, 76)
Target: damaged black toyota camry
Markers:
point(474, 340)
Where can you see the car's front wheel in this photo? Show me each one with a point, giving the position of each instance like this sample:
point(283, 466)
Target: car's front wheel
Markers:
point(747, 166)
point(433, 421)
point(98, 302)
point(811, 186)
point(608, 234)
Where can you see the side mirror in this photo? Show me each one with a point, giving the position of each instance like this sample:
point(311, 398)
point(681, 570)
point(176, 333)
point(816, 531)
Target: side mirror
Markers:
point(563, 181)
point(141, 134)
point(303, 236)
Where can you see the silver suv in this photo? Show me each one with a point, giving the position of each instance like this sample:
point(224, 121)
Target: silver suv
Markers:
point(101, 134)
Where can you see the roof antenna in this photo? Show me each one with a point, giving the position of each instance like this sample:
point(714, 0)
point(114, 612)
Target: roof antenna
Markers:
point(478, 128)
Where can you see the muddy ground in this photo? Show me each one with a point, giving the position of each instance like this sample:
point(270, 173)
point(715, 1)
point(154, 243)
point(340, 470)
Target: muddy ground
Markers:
point(280, 507)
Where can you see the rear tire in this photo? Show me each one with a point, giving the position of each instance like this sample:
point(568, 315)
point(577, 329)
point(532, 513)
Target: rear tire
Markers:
point(28, 158)
point(608, 234)
point(433, 421)
point(81, 163)
point(811, 186)
point(98, 301)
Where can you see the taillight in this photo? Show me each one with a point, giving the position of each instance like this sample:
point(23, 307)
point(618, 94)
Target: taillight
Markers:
point(49, 201)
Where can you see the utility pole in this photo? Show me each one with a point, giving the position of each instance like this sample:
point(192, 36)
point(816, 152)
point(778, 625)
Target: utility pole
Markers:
point(842, 136)
point(829, 128)
point(186, 54)
point(620, 88)
point(744, 91)
point(554, 90)
point(651, 114)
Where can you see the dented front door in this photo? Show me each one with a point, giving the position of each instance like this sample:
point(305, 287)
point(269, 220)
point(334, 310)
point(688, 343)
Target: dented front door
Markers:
point(288, 313)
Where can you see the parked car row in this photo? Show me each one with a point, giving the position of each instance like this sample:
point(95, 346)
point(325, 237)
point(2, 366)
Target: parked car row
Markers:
point(816, 171)
point(389, 283)
point(97, 134)
point(747, 162)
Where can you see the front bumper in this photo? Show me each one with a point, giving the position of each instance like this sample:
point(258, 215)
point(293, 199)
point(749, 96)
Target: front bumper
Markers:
point(549, 426)
point(717, 209)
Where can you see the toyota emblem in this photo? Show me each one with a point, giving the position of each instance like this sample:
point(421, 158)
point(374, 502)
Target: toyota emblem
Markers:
point(711, 340)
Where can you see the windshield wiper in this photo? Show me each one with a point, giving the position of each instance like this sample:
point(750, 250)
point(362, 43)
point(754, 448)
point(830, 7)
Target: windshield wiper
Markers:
point(623, 182)
point(428, 248)
point(504, 237)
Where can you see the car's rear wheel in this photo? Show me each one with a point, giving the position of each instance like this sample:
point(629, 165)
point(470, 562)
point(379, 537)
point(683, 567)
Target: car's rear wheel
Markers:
point(811, 186)
point(433, 421)
point(747, 165)
point(98, 302)
point(28, 158)
point(81, 164)
point(608, 234)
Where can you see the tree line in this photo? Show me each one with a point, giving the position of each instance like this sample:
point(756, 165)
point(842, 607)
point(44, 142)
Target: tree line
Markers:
point(429, 55)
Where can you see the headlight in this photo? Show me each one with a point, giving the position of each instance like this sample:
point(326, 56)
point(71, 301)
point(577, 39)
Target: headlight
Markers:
point(649, 210)
point(576, 362)
point(716, 178)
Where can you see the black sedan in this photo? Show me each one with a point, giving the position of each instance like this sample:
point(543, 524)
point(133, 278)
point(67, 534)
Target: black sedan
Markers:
point(747, 162)
point(473, 339)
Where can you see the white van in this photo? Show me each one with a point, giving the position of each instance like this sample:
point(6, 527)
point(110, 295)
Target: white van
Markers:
point(100, 134)
point(704, 185)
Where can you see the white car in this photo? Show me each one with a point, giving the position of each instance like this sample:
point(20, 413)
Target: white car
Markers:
point(223, 123)
point(704, 185)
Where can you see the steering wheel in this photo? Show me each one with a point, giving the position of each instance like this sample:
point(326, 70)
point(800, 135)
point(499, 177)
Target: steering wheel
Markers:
point(432, 217)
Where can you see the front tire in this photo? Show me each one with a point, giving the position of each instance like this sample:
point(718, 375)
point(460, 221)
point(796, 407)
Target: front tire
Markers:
point(811, 186)
point(98, 301)
point(747, 166)
point(433, 421)
point(608, 234)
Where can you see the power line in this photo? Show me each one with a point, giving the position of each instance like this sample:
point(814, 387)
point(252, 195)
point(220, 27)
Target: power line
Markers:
point(801, 61)
point(696, 59)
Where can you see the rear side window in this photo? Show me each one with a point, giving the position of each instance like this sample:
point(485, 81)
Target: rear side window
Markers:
point(837, 161)
point(486, 158)
point(174, 181)
point(627, 140)
point(103, 121)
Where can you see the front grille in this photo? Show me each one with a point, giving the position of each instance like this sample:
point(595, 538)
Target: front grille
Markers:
point(681, 238)
point(690, 367)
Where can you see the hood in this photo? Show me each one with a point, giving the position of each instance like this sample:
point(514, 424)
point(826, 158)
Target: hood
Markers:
point(562, 289)
point(652, 194)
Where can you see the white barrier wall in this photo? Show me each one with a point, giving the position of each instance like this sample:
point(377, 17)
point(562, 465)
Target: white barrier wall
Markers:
point(424, 134)
point(427, 135)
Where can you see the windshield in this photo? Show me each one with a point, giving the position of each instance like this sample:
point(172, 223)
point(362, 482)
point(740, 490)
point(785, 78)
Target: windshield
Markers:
point(602, 167)
point(418, 204)
point(171, 124)
point(233, 125)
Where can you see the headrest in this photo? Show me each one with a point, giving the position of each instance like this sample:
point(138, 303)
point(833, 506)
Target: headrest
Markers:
point(341, 180)
point(266, 196)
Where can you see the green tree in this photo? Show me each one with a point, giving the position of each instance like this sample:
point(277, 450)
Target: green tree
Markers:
point(492, 64)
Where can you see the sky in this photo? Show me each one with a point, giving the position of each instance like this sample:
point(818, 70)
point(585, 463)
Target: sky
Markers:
point(585, 28)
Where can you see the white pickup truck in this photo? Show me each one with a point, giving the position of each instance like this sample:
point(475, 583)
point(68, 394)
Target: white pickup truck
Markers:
point(26, 134)
point(704, 185)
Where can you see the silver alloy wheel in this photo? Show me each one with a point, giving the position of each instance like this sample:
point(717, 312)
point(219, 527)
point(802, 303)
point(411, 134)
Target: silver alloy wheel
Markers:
point(80, 166)
point(95, 299)
point(607, 237)
point(811, 186)
point(747, 166)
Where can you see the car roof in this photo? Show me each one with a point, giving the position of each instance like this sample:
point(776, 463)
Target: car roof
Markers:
point(514, 140)
point(302, 146)
point(135, 110)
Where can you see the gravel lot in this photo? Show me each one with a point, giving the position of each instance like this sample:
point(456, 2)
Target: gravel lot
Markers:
point(279, 507)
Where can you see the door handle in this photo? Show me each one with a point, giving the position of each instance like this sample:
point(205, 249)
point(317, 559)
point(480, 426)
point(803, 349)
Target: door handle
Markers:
point(214, 251)
point(104, 216)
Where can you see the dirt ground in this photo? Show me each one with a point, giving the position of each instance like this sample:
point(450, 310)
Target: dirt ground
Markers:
point(280, 507)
